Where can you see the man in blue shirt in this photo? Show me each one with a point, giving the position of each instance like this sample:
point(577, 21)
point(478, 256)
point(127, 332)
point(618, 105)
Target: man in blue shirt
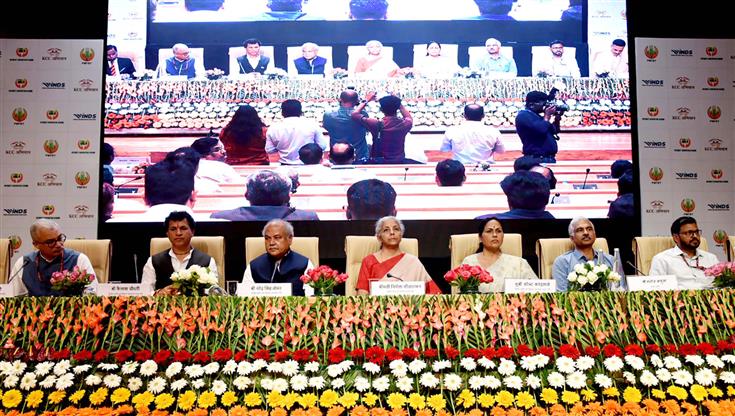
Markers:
point(582, 234)
point(537, 132)
point(342, 128)
point(527, 193)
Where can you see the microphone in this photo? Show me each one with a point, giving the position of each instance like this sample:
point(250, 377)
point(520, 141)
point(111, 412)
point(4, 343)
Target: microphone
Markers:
point(25, 263)
point(554, 197)
point(117, 188)
point(405, 174)
point(584, 184)
point(390, 276)
point(635, 268)
point(135, 267)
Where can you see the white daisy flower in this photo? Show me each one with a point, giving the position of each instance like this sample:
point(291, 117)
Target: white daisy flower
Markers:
point(629, 377)
point(337, 383)
point(313, 367)
point(317, 382)
point(648, 379)
point(62, 367)
point(398, 368)
point(404, 384)
point(174, 369)
point(259, 364)
point(112, 381)
point(242, 382)
point(179, 384)
point(728, 358)
point(157, 385)
point(513, 382)
point(476, 382)
point(50, 380)
point(290, 368)
point(43, 368)
point(613, 364)
point(198, 384)
point(468, 363)
point(429, 380)
point(230, 367)
point(727, 377)
point(715, 361)
point(705, 377)
point(65, 381)
point(108, 367)
point(280, 385)
point(603, 381)
point(134, 384)
point(682, 378)
point(245, 368)
point(194, 371)
point(694, 359)
point(506, 367)
point(219, 387)
point(275, 367)
point(452, 382)
point(361, 384)
point(334, 370)
point(634, 362)
point(347, 364)
point(656, 361)
point(492, 382)
point(577, 380)
point(529, 363)
point(211, 368)
point(438, 366)
point(28, 381)
point(82, 368)
point(381, 384)
point(533, 382)
point(148, 368)
point(416, 366)
point(90, 380)
point(585, 362)
point(266, 383)
point(485, 363)
point(541, 360)
point(565, 365)
point(556, 380)
point(672, 363)
point(129, 367)
point(299, 382)
point(11, 381)
point(663, 374)
point(371, 368)
point(17, 368)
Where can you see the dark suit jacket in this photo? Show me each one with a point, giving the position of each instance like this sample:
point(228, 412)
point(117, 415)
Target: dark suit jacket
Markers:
point(245, 67)
point(125, 64)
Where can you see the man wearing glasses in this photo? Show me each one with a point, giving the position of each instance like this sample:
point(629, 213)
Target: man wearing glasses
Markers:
point(686, 261)
point(583, 235)
point(31, 273)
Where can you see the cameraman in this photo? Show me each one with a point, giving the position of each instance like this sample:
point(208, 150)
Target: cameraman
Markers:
point(535, 128)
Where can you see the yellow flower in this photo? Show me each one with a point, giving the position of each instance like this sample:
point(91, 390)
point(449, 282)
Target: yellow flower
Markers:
point(436, 402)
point(466, 399)
point(229, 398)
point(288, 400)
point(611, 392)
point(349, 400)
point(143, 399)
point(588, 395)
point(486, 400)
point(77, 396)
point(549, 396)
point(525, 400)
point(569, 397)
point(699, 393)
point(416, 401)
point(505, 398)
point(120, 395)
point(164, 401)
point(677, 392)
point(55, 397)
point(658, 394)
point(186, 400)
point(307, 400)
point(328, 398)
point(715, 392)
point(275, 399)
point(632, 395)
point(730, 391)
point(34, 398)
point(396, 401)
point(12, 398)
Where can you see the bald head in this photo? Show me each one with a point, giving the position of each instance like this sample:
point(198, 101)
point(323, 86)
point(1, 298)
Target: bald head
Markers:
point(348, 98)
point(474, 112)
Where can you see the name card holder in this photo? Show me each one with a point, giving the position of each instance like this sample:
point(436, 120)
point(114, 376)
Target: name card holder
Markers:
point(257, 290)
point(121, 289)
point(530, 285)
point(6, 290)
point(392, 288)
point(652, 283)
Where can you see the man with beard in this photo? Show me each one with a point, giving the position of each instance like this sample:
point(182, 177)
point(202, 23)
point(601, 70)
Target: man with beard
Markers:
point(582, 233)
point(686, 261)
point(558, 64)
point(212, 164)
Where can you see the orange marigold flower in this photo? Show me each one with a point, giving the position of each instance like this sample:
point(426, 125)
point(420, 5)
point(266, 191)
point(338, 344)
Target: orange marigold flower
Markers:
point(279, 412)
point(258, 412)
point(513, 412)
point(557, 410)
point(198, 412)
point(537, 411)
point(424, 412)
point(124, 410)
point(159, 413)
point(498, 411)
point(393, 412)
point(611, 406)
point(359, 411)
point(378, 411)
point(238, 411)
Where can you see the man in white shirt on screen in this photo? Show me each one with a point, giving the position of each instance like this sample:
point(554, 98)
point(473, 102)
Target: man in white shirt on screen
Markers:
point(686, 261)
point(292, 133)
point(472, 141)
point(254, 61)
point(612, 63)
point(558, 64)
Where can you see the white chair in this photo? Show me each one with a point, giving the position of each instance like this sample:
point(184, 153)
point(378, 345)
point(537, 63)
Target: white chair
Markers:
point(450, 51)
point(357, 247)
point(294, 52)
point(477, 52)
point(214, 246)
point(99, 253)
point(137, 56)
point(548, 249)
point(540, 54)
point(238, 51)
point(5, 253)
point(306, 246)
point(355, 52)
point(196, 53)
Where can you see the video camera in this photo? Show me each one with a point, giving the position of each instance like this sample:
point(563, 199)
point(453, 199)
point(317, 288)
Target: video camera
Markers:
point(561, 108)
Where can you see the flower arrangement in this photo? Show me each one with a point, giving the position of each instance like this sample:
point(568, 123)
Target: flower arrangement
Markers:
point(144, 75)
point(468, 278)
point(590, 276)
point(339, 73)
point(71, 281)
point(194, 280)
point(724, 274)
point(214, 73)
point(323, 279)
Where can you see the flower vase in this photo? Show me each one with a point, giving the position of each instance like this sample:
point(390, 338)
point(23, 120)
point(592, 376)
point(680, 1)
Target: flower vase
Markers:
point(469, 290)
point(323, 291)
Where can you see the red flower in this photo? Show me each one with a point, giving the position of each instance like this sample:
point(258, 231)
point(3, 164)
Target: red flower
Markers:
point(504, 352)
point(83, 355)
point(592, 351)
point(182, 356)
point(60, 355)
point(336, 355)
point(222, 355)
point(375, 355)
point(451, 352)
point(282, 355)
point(410, 353)
point(546, 350)
point(653, 348)
point(705, 348)
point(473, 353)
point(687, 349)
point(393, 354)
point(143, 355)
point(430, 353)
point(123, 355)
point(670, 348)
point(489, 353)
point(357, 354)
point(570, 351)
point(635, 350)
point(101, 355)
point(241, 356)
point(524, 350)
point(162, 357)
point(724, 346)
point(202, 357)
point(262, 355)
point(611, 350)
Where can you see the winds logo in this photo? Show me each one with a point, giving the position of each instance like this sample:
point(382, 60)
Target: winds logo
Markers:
point(656, 173)
point(48, 209)
point(716, 173)
point(688, 205)
point(651, 52)
point(54, 52)
point(719, 236)
point(21, 52)
point(86, 54)
point(51, 146)
point(713, 81)
point(83, 144)
point(20, 114)
point(82, 178)
point(710, 51)
point(652, 111)
point(52, 114)
point(685, 142)
point(16, 177)
point(714, 112)
point(21, 83)
point(15, 242)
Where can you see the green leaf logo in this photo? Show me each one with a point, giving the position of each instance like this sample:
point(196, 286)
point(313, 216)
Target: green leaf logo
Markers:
point(714, 112)
point(688, 205)
point(51, 146)
point(716, 173)
point(720, 236)
point(651, 51)
point(87, 54)
point(48, 209)
point(15, 242)
point(20, 114)
point(82, 178)
point(655, 173)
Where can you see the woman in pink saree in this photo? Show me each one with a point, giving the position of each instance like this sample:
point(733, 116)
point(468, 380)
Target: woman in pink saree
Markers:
point(390, 263)
point(375, 65)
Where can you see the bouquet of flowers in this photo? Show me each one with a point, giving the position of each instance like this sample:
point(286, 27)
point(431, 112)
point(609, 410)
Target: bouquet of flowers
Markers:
point(589, 276)
point(468, 278)
point(71, 281)
point(145, 75)
point(724, 274)
point(339, 73)
point(214, 73)
point(194, 280)
point(323, 279)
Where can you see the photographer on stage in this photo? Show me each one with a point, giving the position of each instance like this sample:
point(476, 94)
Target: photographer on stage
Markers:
point(535, 127)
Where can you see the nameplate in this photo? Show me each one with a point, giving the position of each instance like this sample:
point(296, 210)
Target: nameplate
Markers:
point(255, 290)
point(651, 283)
point(391, 288)
point(6, 290)
point(121, 289)
point(530, 285)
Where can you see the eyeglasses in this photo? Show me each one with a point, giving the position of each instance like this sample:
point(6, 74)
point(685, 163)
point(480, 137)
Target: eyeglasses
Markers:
point(217, 149)
point(692, 233)
point(52, 242)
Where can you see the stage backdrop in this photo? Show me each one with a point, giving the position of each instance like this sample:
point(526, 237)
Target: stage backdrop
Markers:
point(50, 122)
point(685, 104)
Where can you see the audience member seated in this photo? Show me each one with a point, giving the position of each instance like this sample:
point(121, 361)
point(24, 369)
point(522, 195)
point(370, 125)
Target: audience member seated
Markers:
point(244, 138)
point(495, 9)
point(253, 62)
point(490, 257)
point(310, 62)
point(370, 199)
point(450, 173)
point(202, 184)
point(472, 141)
point(537, 132)
point(292, 133)
point(212, 164)
point(368, 9)
point(574, 12)
point(686, 261)
point(558, 64)
point(375, 64)
point(390, 263)
point(341, 154)
point(169, 186)
point(389, 134)
point(108, 155)
point(611, 63)
point(494, 64)
point(31, 273)
point(182, 64)
point(180, 228)
point(269, 194)
point(436, 65)
point(582, 233)
point(620, 167)
point(311, 154)
point(527, 193)
point(624, 205)
point(547, 173)
point(279, 264)
point(283, 10)
point(342, 158)
point(118, 66)
point(341, 127)
point(533, 164)
point(107, 201)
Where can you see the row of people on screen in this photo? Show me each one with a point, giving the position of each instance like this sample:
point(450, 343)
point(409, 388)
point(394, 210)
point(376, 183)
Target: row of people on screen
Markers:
point(31, 274)
point(375, 61)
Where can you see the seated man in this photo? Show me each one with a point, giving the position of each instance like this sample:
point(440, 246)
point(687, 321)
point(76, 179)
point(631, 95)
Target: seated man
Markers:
point(533, 164)
point(212, 164)
point(368, 9)
point(311, 154)
point(612, 63)
point(118, 66)
point(473, 141)
point(253, 62)
point(292, 133)
point(557, 64)
point(341, 127)
point(624, 205)
point(450, 173)
point(279, 264)
point(389, 133)
point(310, 62)
point(620, 167)
point(582, 234)
point(157, 271)
point(370, 199)
point(686, 261)
point(269, 194)
point(527, 193)
point(494, 64)
point(169, 186)
point(31, 274)
point(181, 64)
